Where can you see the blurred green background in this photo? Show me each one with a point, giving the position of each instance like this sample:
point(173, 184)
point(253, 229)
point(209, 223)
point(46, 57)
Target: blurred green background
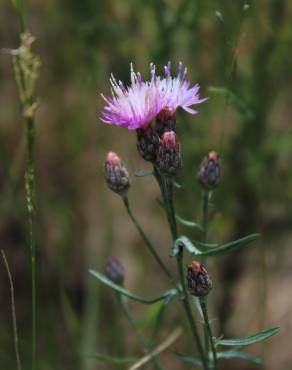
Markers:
point(241, 54)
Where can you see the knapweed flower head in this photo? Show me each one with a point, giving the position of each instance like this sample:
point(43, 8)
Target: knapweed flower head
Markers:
point(116, 174)
point(177, 91)
point(169, 157)
point(209, 173)
point(148, 143)
point(115, 270)
point(198, 280)
point(165, 121)
point(135, 106)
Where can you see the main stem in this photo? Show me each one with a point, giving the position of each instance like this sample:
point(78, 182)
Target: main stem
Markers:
point(187, 307)
point(167, 194)
point(209, 330)
point(205, 224)
point(205, 221)
point(147, 241)
point(30, 199)
point(125, 307)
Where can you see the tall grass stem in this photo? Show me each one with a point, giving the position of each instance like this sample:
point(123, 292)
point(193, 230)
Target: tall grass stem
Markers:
point(30, 200)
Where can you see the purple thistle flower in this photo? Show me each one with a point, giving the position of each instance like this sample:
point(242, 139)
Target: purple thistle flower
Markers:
point(135, 106)
point(176, 91)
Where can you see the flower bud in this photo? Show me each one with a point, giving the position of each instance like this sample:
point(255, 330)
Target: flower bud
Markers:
point(199, 283)
point(169, 157)
point(209, 171)
point(147, 143)
point(165, 121)
point(116, 174)
point(115, 271)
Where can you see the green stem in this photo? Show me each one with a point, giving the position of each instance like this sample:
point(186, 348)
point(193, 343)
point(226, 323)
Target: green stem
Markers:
point(187, 307)
point(209, 330)
point(125, 308)
point(205, 221)
point(147, 242)
point(167, 195)
point(162, 182)
point(30, 199)
point(205, 224)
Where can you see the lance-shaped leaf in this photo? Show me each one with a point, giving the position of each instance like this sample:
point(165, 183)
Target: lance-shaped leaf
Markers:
point(188, 223)
point(19, 8)
point(220, 355)
point(183, 241)
point(158, 321)
point(176, 184)
point(112, 359)
point(240, 355)
point(255, 338)
point(142, 173)
point(237, 101)
point(189, 359)
point(236, 244)
point(202, 245)
point(166, 296)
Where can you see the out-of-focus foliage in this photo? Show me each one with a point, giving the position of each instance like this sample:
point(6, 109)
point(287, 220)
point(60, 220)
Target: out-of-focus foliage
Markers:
point(240, 52)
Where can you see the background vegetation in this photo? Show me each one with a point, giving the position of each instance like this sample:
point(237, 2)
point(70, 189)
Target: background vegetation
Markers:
point(240, 52)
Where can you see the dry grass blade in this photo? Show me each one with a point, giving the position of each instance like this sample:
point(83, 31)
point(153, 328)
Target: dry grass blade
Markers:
point(160, 348)
point(15, 335)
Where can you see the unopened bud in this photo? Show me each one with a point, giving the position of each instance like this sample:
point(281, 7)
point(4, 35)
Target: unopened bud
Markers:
point(169, 157)
point(148, 143)
point(199, 283)
point(116, 174)
point(115, 271)
point(209, 171)
point(165, 121)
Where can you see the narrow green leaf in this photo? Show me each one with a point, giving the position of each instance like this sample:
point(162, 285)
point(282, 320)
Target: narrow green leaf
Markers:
point(176, 184)
point(188, 223)
point(224, 248)
point(150, 316)
point(230, 246)
point(258, 337)
point(158, 321)
point(189, 359)
point(238, 102)
point(164, 297)
point(205, 245)
point(19, 8)
point(112, 359)
point(237, 354)
point(220, 355)
point(184, 241)
point(142, 173)
point(170, 297)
